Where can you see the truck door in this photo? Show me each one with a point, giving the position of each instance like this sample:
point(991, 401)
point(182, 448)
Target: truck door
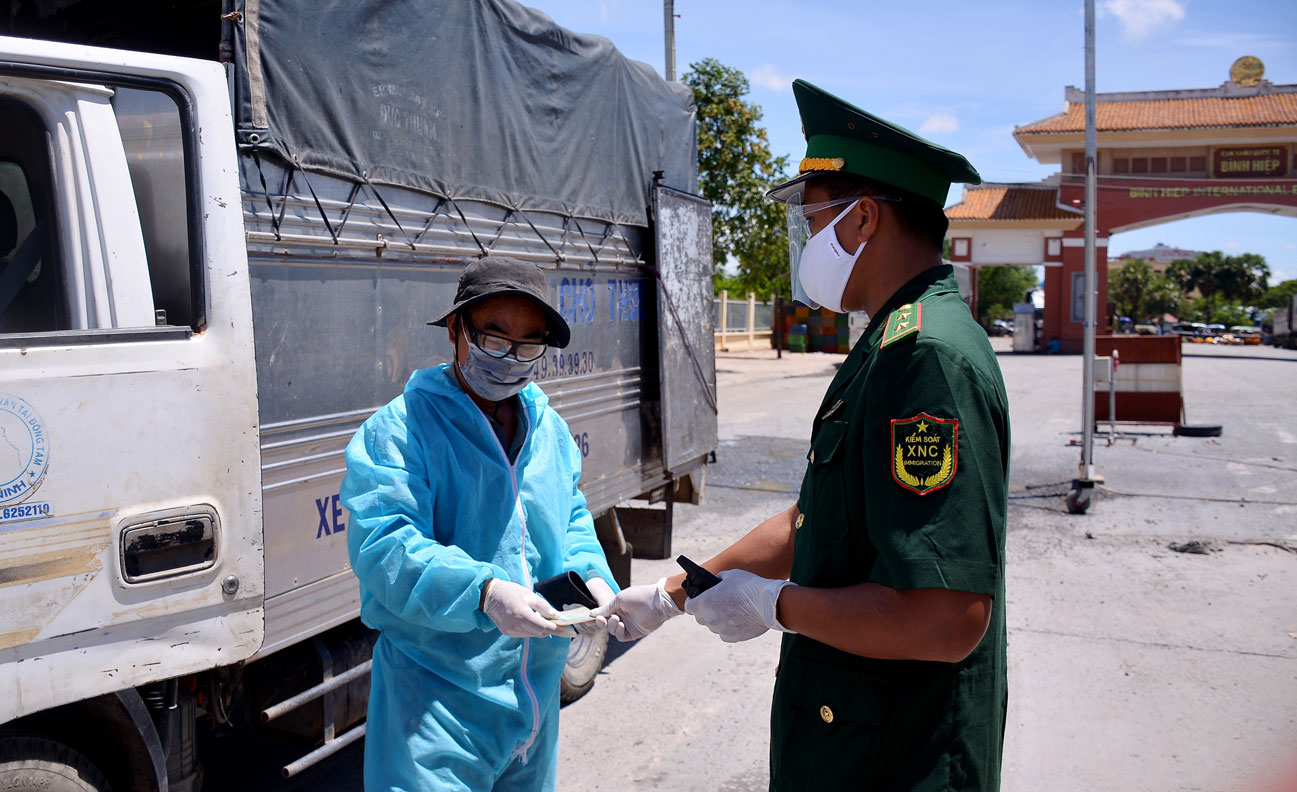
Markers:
point(683, 232)
point(130, 492)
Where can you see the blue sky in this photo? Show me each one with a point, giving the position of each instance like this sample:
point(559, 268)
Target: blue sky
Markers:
point(964, 74)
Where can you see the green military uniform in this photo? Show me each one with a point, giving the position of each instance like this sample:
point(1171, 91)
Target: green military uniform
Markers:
point(872, 513)
point(907, 487)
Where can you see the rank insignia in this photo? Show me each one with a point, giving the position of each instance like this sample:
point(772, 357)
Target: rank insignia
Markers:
point(902, 322)
point(925, 452)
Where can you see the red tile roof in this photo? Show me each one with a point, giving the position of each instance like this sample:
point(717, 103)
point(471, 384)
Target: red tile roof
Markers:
point(1276, 109)
point(1010, 202)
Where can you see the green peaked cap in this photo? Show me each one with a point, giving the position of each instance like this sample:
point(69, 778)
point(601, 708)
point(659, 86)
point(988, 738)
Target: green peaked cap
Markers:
point(842, 138)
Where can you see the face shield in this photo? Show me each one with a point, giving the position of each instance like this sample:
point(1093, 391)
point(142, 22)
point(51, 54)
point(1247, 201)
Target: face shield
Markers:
point(799, 233)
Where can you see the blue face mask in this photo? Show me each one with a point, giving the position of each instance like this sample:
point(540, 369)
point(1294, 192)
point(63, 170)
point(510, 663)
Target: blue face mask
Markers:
point(494, 379)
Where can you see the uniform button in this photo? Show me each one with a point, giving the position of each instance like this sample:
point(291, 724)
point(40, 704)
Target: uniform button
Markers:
point(812, 457)
point(826, 714)
point(801, 518)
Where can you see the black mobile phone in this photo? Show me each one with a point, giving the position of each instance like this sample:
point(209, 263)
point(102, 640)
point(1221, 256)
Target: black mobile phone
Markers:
point(697, 579)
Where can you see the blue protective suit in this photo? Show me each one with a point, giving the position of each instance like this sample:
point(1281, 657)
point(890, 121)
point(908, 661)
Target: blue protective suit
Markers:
point(436, 510)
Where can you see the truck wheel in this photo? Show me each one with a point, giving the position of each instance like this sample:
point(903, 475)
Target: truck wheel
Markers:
point(584, 659)
point(39, 763)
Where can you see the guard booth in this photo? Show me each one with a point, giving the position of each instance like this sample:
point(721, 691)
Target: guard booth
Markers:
point(1024, 327)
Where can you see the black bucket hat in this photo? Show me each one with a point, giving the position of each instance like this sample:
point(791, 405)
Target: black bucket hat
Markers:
point(496, 276)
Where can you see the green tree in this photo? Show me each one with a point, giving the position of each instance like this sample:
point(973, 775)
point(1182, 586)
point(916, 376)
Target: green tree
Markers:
point(1279, 295)
point(1218, 277)
point(1163, 296)
point(735, 168)
point(998, 288)
point(1128, 286)
point(1232, 314)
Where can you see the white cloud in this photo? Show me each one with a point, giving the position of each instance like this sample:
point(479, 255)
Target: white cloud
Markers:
point(1140, 17)
point(1290, 246)
point(768, 76)
point(939, 124)
point(1233, 245)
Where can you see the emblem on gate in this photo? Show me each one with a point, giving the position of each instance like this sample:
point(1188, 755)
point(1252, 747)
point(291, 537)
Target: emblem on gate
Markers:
point(24, 449)
point(925, 452)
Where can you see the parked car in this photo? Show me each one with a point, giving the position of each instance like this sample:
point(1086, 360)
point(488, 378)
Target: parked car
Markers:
point(999, 327)
point(1191, 331)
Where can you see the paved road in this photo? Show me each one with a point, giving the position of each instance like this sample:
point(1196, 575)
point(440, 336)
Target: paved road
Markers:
point(1132, 667)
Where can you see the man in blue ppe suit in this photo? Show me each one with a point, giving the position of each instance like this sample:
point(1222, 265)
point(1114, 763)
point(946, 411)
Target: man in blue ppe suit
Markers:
point(463, 493)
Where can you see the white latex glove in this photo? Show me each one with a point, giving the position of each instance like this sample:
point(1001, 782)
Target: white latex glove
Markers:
point(638, 611)
point(603, 595)
point(740, 607)
point(519, 612)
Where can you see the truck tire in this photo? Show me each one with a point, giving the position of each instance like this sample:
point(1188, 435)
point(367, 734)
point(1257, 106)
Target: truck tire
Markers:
point(40, 763)
point(584, 660)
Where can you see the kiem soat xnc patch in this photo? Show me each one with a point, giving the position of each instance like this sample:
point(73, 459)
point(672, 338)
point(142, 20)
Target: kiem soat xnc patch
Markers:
point(925, 452)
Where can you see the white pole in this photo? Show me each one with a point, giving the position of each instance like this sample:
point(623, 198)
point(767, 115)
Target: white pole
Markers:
point(752, 319)
point(725, 314)
point(1091, 287)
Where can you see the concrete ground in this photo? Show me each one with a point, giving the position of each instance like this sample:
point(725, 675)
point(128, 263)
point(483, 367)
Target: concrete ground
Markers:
point(1132, 667)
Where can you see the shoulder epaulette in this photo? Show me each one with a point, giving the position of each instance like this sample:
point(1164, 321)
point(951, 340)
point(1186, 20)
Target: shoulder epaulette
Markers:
point(904, 322)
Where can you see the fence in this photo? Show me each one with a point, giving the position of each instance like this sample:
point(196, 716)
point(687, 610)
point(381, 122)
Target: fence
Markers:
point(741, 324)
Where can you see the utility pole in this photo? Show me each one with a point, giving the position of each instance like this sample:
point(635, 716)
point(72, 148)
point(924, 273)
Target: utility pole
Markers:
point(1079, 499)
point(669, 21)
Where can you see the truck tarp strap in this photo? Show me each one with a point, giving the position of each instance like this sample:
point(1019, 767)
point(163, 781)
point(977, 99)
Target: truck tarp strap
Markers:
point(432, 218)
point(265, 191)
point(557, 255)
point(464, 220)
point(387, 209)
point(316, 198)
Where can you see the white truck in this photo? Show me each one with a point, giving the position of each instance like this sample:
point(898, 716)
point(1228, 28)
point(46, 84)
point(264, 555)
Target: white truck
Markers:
point(212, 272)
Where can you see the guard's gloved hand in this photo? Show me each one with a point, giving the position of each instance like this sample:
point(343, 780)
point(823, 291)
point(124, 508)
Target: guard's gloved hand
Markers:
point(519, 612)
point(638, 611)
point(740, 607)
point(603, 595)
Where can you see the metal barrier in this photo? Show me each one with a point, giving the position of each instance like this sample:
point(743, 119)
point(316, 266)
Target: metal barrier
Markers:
point(1145, 387)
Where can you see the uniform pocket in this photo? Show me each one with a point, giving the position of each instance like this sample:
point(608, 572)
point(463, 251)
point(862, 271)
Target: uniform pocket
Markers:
point(827, 516)
point(825, 728)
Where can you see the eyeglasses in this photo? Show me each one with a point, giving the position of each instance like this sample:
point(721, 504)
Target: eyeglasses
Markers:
point(799, 227)
point(499, 347)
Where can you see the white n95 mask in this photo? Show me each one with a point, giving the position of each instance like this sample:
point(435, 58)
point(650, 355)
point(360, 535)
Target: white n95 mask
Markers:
point(819, 266)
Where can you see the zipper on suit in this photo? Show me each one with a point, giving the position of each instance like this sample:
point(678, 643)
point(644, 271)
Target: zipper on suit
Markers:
point(521, 751)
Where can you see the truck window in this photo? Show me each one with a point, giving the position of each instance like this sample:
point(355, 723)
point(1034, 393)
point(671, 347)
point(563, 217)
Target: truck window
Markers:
point(32, 297)
point(118, 276)
point(153, 137)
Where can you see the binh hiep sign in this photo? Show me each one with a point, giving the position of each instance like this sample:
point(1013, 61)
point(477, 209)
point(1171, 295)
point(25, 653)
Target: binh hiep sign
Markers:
point(1250, 161)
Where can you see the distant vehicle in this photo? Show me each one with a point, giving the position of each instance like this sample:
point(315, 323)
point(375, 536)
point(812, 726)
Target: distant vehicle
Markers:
point(1285, 318)
point(1193, 331)
point(1246, 335)
point(1000, 327)
point(1146, 329)
point(1215, 329)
